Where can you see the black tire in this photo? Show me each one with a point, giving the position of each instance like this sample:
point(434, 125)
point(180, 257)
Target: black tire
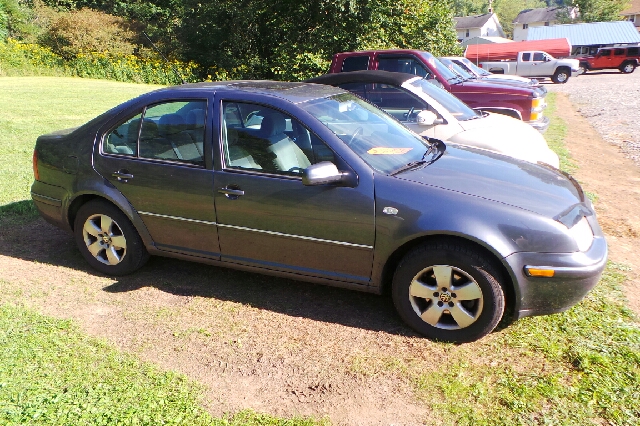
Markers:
point(627, 67)
point(561, 76)
point(471, 274)
point(117, 248)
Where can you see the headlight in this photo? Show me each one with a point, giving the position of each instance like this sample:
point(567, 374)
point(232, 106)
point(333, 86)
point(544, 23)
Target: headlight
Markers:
point(582, 234)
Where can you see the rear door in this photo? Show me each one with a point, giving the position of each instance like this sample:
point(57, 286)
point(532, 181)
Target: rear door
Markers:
point(155, 156)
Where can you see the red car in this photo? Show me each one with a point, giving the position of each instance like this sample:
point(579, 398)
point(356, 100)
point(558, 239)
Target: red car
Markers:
point(626, 59)
point(523, 103)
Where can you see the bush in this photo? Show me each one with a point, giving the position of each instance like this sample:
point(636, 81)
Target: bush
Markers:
point(18, 58)
point(85, 31)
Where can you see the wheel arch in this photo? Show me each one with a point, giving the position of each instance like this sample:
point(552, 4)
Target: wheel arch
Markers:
point(81, 199)
point(508, 283)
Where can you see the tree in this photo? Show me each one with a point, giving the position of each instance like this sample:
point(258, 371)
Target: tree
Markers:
point(599, 10)
point(292, 39)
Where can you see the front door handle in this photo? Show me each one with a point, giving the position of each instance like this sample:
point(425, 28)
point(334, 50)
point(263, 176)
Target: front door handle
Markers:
point(122, 175)
point(231, 193)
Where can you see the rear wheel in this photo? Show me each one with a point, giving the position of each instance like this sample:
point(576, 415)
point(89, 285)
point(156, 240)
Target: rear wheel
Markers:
point(108, 240)
point(561, 76)
point(449, 292)
point(628, 67)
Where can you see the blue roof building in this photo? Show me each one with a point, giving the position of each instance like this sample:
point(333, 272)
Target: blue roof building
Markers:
point(588, 37)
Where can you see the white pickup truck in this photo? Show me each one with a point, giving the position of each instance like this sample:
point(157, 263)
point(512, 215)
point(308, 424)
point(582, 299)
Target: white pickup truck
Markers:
point(536, 64)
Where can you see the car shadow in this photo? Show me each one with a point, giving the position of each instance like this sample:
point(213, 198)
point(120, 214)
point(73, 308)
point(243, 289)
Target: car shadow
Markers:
point(37, 241)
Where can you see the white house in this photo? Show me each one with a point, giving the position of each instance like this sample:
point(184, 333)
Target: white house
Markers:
point(478, 26)
point(543, 17)
point(633, 13)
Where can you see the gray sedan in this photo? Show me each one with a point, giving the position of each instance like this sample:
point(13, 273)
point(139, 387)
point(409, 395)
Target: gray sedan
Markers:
point(310, 182)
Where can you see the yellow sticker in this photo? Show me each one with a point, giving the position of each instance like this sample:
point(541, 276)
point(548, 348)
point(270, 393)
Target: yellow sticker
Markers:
point(388, 151)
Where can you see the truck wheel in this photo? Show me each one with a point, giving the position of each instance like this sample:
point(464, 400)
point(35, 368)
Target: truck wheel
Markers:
point(584, 67)
point(628, 67)
point(561, 76)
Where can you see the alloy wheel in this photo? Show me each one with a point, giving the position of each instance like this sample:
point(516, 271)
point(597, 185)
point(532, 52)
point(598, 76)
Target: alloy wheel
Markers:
point(446, 297)
point(104, 239)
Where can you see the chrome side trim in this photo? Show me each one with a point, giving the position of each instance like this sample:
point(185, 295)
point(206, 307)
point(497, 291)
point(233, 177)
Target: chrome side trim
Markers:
point(242, 228)
point(320, 240)
point(177, 218)
point(46, 200)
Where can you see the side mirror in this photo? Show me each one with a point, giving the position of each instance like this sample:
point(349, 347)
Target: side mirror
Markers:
point(322, 173)
point(428, 118)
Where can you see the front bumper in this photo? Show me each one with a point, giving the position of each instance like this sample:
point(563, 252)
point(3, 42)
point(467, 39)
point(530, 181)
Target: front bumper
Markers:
point(575, 275)
point(540, 125)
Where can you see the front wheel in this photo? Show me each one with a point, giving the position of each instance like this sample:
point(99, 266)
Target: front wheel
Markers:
point(108, 240)
point(628, 68)
point(448, 292)
point(561, 76)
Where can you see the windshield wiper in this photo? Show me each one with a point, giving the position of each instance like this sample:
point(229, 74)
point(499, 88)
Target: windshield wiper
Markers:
point(436, 148)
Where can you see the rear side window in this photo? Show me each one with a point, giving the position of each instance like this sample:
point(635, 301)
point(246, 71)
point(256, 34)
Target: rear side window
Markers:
point(171, 131)
point(406, 65)
point(355, 63)
point(618, 52)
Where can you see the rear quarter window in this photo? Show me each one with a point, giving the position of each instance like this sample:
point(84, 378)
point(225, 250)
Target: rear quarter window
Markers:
point(633, 51)
point(355, 63)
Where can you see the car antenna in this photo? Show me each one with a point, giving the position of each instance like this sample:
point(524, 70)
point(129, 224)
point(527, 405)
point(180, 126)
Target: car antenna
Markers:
point(165, 58)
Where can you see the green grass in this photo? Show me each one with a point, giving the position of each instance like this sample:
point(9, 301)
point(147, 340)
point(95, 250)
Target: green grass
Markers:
point(32, 106)
point(555, 135)
point(53, 374)
point(570, 368)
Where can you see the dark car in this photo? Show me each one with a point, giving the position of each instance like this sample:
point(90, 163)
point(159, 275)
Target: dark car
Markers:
point(311, 182)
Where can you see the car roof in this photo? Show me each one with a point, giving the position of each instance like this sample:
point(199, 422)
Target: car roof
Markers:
point(373, 76)
point(292, 92)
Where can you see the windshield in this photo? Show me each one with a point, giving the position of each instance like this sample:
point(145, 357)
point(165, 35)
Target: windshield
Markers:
point(377, 138)
point(457, 69)
point(455, 106)
point(473, 67)
point(442, 69)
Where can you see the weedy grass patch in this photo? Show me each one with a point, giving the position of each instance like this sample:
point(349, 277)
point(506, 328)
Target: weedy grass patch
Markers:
point(52, 373)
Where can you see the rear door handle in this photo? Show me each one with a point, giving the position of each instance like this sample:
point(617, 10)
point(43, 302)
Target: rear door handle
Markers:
point(231, 193)
point(122, 175)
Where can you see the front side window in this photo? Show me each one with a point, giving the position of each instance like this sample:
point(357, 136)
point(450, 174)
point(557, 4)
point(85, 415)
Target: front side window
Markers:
point(395, 101)
point(605, 53)
point(406, 65)
point(260, 138)
point(382, 142)
point(171, 131)
point(526, 56)
point(538, 57)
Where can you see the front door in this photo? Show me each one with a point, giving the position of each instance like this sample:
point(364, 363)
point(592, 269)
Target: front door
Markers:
point(155, 159)
point(268, 218)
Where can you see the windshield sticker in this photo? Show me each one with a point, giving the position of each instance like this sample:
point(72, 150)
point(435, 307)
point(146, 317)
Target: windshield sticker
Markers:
point(388, 151)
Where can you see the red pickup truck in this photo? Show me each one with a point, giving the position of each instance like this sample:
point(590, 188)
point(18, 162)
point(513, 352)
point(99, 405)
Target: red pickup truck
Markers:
point(626, 59)
point(524, 103)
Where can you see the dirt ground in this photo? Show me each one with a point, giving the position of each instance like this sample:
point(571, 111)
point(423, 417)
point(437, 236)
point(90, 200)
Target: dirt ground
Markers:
point(274, 345)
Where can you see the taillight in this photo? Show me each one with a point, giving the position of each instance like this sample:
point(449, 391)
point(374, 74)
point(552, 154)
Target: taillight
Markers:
point(36, 175)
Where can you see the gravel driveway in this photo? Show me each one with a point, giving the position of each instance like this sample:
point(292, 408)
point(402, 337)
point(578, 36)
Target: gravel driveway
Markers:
point(610, 101)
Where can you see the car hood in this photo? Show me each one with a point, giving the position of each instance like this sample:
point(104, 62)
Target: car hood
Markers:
point(496, 132)
point(486, 88)
point(478, 173)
